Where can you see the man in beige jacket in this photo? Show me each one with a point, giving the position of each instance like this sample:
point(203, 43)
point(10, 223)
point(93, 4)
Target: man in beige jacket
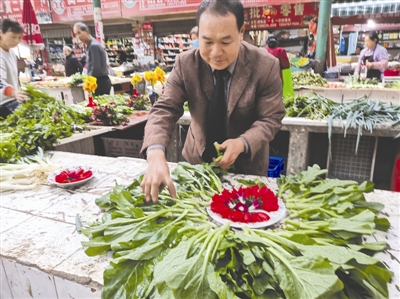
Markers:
point(248, 80)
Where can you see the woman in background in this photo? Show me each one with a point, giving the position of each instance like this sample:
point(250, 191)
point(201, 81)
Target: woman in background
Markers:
point(286, 73)
point(194, 36)
point(72, 64)
point(10, 95)
point(373, 56)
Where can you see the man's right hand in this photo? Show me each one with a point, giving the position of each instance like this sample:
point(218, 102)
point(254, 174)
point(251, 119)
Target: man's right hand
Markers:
point(157, 176)
point(20, 96)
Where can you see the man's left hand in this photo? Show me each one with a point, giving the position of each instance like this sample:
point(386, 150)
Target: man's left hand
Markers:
point(232, 149)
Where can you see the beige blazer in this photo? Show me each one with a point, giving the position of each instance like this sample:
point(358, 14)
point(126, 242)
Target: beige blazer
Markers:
point(255, 106)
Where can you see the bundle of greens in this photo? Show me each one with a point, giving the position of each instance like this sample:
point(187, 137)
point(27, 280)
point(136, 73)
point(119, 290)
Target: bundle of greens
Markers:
point(118, 101)
point(356, 82)
point(312, 106)
point(108, 115)
point(77, 79)
point(170, 249)
point(395, 85)
point(38, 123)
point(29, 173)
point(362, 114)
point(307, 79)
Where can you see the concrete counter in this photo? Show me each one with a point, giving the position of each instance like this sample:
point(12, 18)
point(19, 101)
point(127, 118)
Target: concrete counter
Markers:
point(41, 253)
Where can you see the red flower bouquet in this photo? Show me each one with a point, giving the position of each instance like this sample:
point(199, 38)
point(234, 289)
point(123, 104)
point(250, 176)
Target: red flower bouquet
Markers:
point(246, 205)
point(72, 176)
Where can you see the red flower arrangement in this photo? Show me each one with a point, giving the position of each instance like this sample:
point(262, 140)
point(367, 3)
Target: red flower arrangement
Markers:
point(72, 176)
point(246, 205)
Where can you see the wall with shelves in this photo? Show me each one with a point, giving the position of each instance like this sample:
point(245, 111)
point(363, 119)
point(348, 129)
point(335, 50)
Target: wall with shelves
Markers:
point(168, 47)
point(116, 46)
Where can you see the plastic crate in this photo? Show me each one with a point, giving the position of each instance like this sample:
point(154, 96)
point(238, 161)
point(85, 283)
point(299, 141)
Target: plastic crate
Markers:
point(117, 147)
point(276, 166)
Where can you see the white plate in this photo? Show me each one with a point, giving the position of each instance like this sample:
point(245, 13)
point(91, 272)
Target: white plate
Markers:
point(52, 176)
point(275, 217)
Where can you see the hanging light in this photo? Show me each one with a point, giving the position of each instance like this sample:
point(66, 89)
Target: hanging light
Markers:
point(371, 23)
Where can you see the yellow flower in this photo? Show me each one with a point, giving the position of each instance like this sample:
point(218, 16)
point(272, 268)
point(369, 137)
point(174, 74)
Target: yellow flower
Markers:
point(148, 76)
point(159, 71)
point(87, 86)
point(136, 79)
point(90, 84)
point(91, 79)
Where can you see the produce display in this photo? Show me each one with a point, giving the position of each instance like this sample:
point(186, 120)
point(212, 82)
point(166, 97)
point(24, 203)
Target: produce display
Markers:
point(312, 106)
point(73, 175)
point(76, 79)
point(395, 85)
point(245, 205)
point(29, 173)
point(307, 79)
point(299, 62)
point(38, 123)
point(172, 250)
point(356, 82)
point(361, 113)
point(108, 115)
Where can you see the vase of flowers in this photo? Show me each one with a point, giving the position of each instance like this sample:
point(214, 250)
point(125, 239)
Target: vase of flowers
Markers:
point(158, 75)
point(136, 78)
point(137, 101)
point(90, 85)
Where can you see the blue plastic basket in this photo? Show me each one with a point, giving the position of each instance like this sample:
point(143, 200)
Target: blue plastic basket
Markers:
point(276, 166)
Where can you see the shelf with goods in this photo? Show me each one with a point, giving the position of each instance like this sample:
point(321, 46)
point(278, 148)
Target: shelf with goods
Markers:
point(143, 43)
point(114, 48)
point(55, 49)
point(170, 46)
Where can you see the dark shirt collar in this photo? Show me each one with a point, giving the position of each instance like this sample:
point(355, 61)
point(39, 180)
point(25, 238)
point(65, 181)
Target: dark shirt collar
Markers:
point(230, 68)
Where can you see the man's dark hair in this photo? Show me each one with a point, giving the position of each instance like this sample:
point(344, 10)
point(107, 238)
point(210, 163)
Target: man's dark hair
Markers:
point(373, 36)
point(222, 8)
point(82, 27)
point(11, 25)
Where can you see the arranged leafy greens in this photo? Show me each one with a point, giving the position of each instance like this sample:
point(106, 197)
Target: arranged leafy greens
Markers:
point(171, 250)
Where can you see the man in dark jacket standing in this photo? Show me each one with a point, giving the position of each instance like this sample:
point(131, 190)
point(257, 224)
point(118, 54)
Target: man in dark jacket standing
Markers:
point(96, 59)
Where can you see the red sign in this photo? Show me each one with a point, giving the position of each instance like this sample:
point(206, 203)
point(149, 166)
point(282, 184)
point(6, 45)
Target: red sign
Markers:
point(131, 8)
point(280, 16)
point(82, 10)
point(147, 26)
point(153, 7)
point(13, 9)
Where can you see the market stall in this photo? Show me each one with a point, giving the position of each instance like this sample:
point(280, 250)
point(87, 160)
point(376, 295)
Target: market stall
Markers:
point(41, 252)
point(307, 142)
point(62, 88)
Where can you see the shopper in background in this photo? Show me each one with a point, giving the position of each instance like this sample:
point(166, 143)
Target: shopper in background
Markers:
point(284, 64)
point(96, 58)
point(72, 64)
point(357, 52)
point(10, 95)
point(194, 36)
point(122, 55)
point(373, 56)
point(234, 94)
